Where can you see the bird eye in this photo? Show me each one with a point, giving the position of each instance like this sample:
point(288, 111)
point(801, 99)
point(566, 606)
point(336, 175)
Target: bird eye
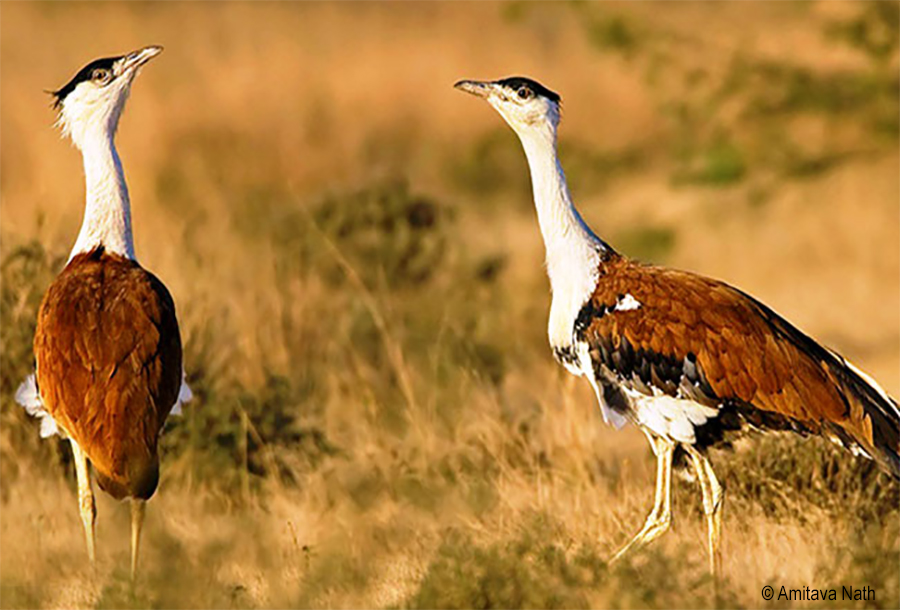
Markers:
point(100, 75)
point(524, 93)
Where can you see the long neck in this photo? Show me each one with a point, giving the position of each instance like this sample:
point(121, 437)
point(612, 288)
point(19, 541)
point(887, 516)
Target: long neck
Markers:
point(107, 210)
point(573, 250)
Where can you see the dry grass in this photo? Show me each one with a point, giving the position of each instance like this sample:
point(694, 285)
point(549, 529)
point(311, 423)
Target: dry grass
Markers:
point(353, 253)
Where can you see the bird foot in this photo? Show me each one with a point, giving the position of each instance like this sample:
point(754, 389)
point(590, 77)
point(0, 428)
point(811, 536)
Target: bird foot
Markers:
point(653, 529)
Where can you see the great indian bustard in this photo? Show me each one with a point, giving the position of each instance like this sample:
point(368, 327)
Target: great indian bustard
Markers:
point(690, 360)
point(107, 347)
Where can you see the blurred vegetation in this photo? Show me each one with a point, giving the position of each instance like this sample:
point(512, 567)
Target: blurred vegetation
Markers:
point(874, 30)
point(25, 274)
point(784, 475)
point(535, 571)
point(385, 233)
point(495, 166)
point(749, 120)
point(648, 244)
point(759, 102)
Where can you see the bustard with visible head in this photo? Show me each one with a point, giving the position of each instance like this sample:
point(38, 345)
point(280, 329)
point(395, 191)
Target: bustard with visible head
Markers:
point(107, 347)
point(690, 360)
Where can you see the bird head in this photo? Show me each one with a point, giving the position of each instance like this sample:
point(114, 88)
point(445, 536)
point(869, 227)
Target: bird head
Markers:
point(91, 103)
point(527, 106)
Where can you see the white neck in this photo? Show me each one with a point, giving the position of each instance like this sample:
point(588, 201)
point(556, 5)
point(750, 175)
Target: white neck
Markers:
point(573, 250)
point(107, 210)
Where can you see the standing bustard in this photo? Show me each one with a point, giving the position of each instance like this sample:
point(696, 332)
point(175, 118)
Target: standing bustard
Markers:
point(107, 347)
point(689, 360)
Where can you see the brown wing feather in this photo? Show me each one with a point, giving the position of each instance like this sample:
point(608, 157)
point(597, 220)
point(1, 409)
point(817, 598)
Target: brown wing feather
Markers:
point(108, 354)
point(745, 353)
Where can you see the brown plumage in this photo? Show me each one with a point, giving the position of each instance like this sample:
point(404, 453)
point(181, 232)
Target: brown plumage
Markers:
point(108, 354)
point(697, 338)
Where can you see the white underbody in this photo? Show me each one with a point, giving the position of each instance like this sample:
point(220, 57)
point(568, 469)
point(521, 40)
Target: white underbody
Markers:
point(670, 417)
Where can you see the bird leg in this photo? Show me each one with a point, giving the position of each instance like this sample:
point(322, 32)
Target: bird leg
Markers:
point(713, 501)
point(137, 521)
point(85, 498)
point(660, 518)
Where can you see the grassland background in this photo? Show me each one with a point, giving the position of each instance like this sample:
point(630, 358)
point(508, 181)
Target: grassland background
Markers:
point(353, 252)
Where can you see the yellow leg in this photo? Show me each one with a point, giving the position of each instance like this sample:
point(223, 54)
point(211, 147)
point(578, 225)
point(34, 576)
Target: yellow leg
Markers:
point(85, 498)
point(660, 518)
point(713, 501)
point(137, 521)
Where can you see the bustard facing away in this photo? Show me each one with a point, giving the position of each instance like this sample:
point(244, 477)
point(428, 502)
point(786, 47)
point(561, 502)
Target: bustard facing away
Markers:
point(107, 347)
point(690, 360)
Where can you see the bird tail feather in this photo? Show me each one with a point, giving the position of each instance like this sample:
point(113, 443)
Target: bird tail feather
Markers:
point(873, 413)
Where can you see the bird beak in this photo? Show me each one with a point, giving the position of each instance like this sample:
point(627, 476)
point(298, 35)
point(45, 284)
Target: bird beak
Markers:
point(136, 59)
point(476, 88)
